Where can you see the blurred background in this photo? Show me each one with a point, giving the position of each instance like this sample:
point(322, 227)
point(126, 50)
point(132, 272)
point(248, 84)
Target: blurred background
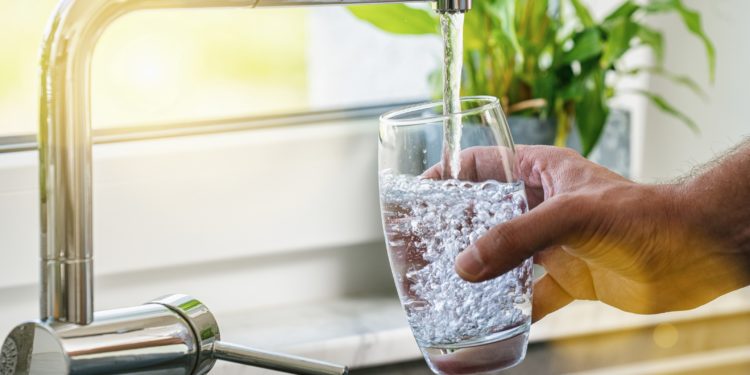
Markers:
point(275, 224)
point(177, 66)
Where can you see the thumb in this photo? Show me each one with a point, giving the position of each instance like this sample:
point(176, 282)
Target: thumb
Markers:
point(508, 244)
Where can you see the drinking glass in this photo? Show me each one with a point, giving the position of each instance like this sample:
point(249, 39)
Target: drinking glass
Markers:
point(428, 219)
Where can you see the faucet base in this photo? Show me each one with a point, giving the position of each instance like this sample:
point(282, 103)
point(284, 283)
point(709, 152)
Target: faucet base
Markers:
point(175, 335)
point(146, 338)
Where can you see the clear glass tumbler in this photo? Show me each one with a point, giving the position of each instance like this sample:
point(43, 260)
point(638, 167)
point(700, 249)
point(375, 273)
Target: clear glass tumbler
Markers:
point(461, 327)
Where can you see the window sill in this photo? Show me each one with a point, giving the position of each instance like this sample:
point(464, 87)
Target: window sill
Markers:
point(186, 200)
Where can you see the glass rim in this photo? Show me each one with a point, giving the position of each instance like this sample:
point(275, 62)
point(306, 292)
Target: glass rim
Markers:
point(387, 118)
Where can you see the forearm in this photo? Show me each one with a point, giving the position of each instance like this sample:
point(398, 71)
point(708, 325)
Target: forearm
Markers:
point(717, 201)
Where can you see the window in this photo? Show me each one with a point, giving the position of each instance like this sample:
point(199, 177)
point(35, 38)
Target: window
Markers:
point(170, 66)
point(173, 66)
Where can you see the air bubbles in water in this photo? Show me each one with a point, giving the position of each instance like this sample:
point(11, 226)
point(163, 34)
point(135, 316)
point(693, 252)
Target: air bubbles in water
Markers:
point(443, 218)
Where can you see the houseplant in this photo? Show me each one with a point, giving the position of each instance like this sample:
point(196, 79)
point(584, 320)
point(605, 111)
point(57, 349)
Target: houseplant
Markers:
point(551, 59)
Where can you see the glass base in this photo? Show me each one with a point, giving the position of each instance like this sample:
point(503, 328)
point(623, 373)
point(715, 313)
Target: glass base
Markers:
point(490, 356)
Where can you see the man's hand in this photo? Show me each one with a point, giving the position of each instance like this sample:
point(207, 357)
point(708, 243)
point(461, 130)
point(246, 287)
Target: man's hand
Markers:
point(640, 248)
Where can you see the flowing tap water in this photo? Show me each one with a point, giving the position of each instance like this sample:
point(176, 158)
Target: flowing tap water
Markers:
point(451, 25)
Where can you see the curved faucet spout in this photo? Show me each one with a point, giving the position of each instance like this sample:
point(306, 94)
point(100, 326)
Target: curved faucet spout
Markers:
point(65, 143)
point(65, 149)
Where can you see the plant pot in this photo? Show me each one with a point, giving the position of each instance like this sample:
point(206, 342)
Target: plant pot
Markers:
point(612, 150)
point(532, 130)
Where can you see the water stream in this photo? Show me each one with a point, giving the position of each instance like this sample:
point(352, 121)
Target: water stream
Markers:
point(451, 25)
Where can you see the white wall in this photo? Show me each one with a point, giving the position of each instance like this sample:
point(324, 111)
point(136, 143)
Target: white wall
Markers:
point(664, 148)
point(669, 149)
point(352, 63)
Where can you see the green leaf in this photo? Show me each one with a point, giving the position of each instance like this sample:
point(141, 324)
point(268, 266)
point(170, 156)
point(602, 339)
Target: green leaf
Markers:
point(473, 84)
point(587, 44)
point(502, 14)
point(619, 34)
point(663, 105)
point(397, 18)
point(572, 86)
point(592, 111)
point(660, 6)
point(504, 51)
point(533, 22)
point(474, 31)
point(573, 90)
point(626, 10)
point(676, 78)
point(653, 39)
point(583, 13)
point(692, 21)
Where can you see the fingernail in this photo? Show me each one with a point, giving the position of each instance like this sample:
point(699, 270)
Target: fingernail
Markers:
point(468, 262)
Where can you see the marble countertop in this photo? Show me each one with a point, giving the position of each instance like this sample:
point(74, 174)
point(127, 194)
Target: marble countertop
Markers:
point(372, 331)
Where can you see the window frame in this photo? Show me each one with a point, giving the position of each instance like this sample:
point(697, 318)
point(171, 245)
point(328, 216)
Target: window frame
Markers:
point(28, 142)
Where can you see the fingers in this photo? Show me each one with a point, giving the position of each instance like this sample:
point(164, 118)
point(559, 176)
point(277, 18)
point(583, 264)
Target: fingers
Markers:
point(549, 297)
point(480, 164)
point(567, 278)
point(571, 273)
point(537, 166)
point(506, 245)
point(541, 168)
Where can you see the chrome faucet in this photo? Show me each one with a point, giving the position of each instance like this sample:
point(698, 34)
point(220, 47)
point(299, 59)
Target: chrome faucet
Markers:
point(175, 334)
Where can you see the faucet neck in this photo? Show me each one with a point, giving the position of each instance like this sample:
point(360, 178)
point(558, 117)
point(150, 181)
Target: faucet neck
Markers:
point(65, 142)
point(65, 149)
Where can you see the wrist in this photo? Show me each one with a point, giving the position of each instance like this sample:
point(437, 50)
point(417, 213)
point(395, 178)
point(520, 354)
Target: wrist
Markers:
point(716, 220)
point(673, 201)
point(695, 206)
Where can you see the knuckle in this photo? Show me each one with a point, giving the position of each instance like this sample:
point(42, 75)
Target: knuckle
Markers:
point(577, 210)
point(569, 153)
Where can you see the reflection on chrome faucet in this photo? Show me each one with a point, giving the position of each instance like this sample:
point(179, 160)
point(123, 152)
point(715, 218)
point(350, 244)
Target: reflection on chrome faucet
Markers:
point(172, 335)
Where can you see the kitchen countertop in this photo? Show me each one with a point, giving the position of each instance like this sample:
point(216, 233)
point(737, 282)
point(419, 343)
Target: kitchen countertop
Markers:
point(372, 331)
